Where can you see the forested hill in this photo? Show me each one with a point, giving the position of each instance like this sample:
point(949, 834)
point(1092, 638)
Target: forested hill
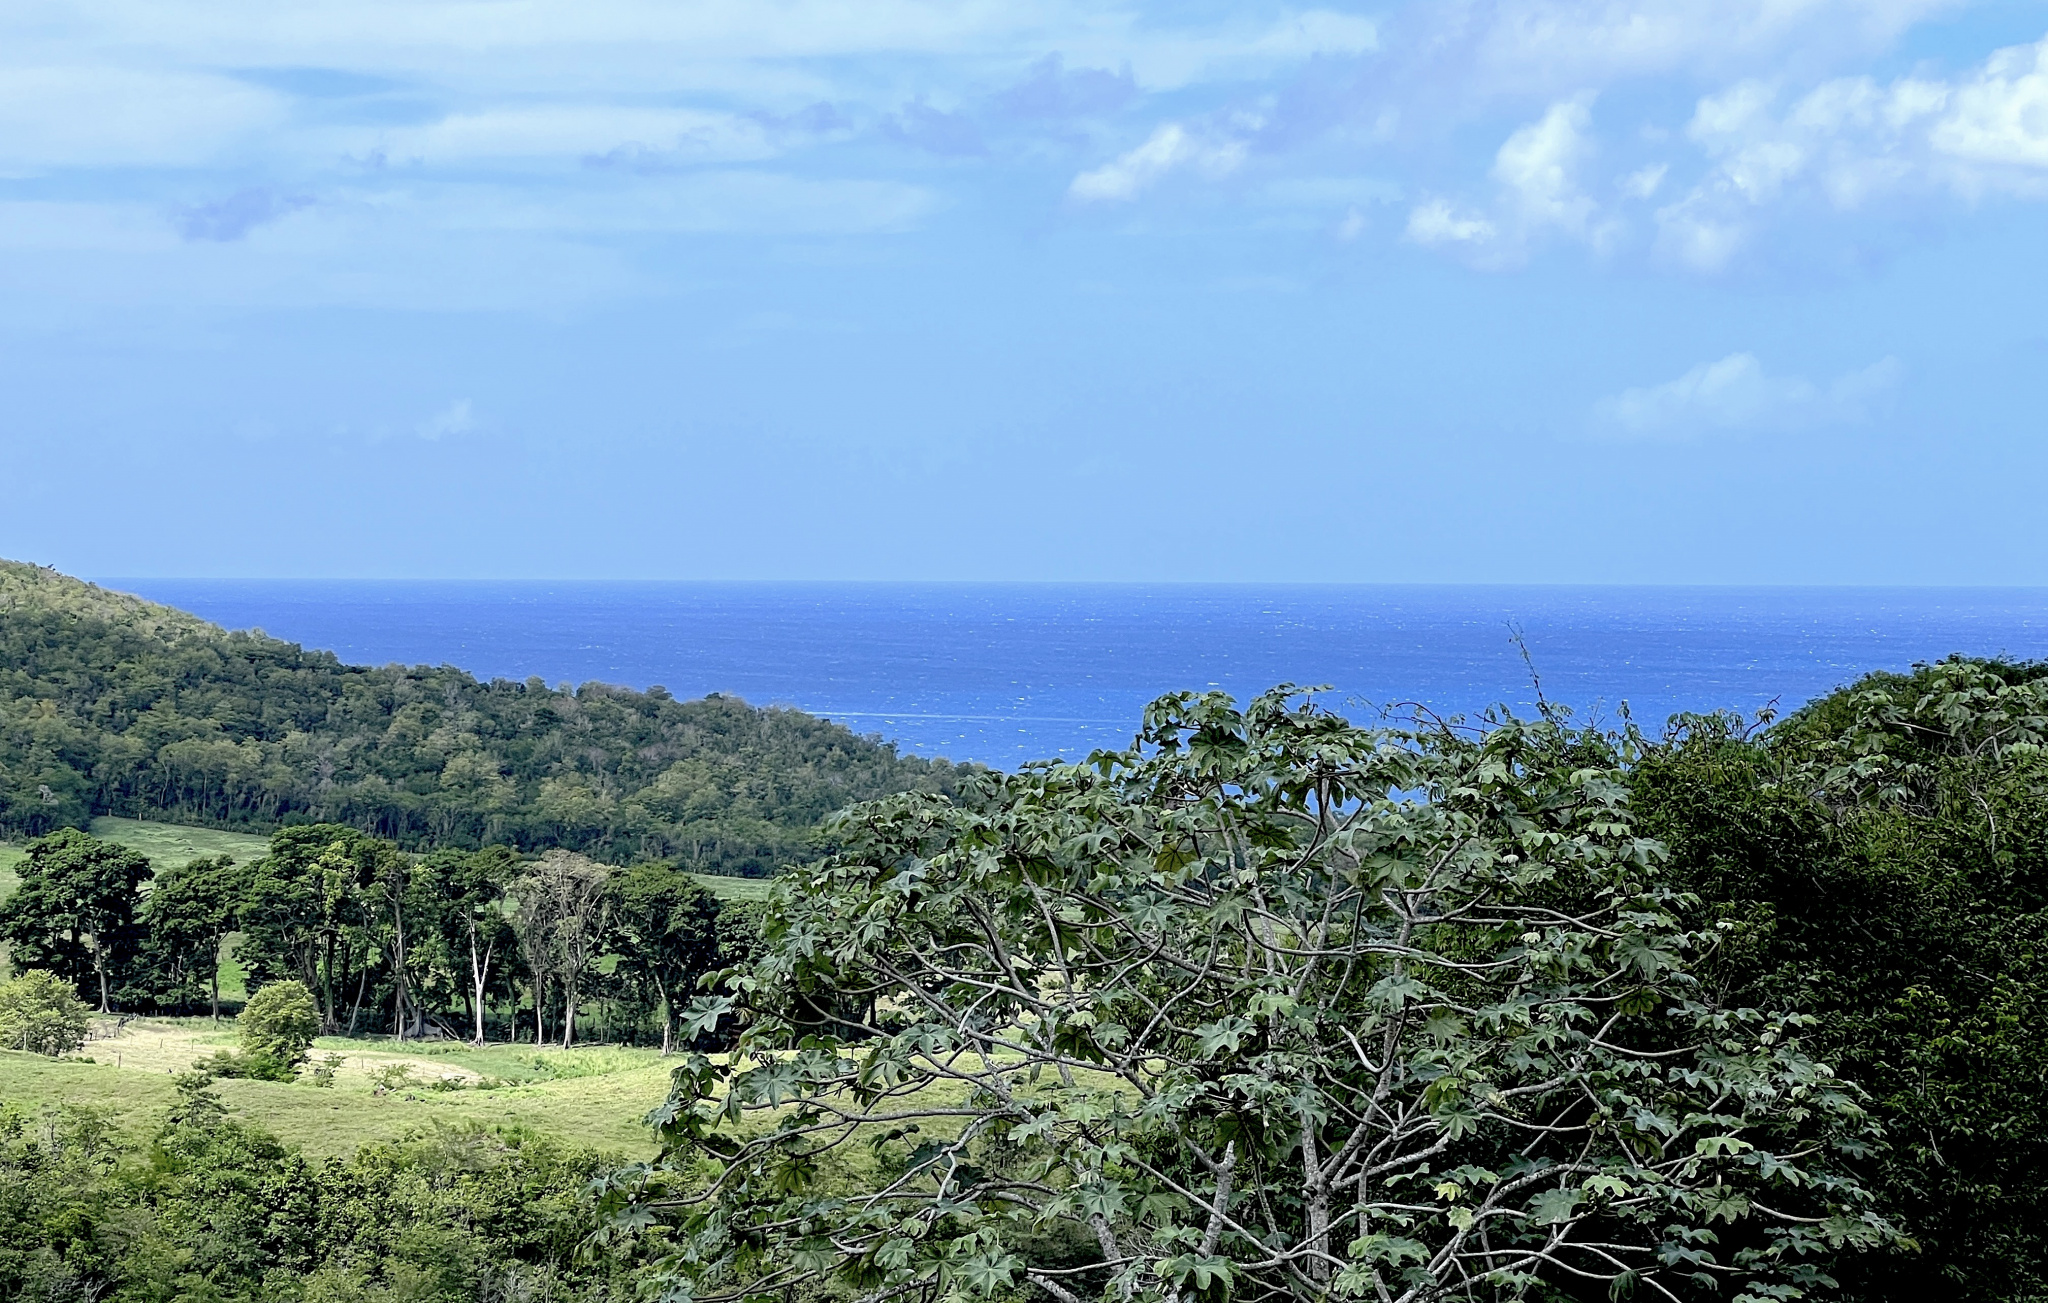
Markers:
point(113, 705)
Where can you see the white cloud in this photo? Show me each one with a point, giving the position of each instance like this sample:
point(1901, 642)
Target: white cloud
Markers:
point(1735, 394)
point(1171, 148)
point(1536, 174)
point(1437, 222)
point(1643, 182)
point(2000, 116)
point(456, 418)
point(1537, 166)
point(1851, 142)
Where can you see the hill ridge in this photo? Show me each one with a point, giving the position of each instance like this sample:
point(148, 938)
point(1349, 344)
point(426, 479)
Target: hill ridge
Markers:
point(114, 705)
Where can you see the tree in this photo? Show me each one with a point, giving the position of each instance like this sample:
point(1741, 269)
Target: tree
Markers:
point(41, 1013)
point(193, 910)
point(562, 909)
point(665, 929)
point(1880, 857)
point(1269, 1006)
point(310, 914)
point(470, 886)
point(280, 1023)
point(74, 911)
point(406, 908)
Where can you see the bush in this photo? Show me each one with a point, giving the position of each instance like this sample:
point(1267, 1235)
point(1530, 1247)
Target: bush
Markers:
point(40, 1012)
point(280, 1023)
point(256, 1066)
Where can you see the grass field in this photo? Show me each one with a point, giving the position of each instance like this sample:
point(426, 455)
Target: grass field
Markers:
point(169, 843)
point(595, 1096)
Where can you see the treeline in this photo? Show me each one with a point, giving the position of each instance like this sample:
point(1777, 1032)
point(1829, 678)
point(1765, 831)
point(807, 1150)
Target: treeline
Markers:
point(213, 1208)
point(110, 705)
point(469, 944)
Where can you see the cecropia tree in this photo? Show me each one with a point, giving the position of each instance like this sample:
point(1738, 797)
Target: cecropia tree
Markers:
point(1270, 1006)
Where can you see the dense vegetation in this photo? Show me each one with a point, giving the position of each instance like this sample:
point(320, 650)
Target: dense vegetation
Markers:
point(1272, 1007)
point(112, 705)
point(211, 1208)
point(1881, 860)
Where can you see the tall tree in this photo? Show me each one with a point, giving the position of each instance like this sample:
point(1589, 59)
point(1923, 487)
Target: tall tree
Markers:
point(665, 930)
point(1269, 1007)
point(406, 908)
point(563, 908)
point(471, 886)
point(193, 909)
point(74, 912)
point(310, 914)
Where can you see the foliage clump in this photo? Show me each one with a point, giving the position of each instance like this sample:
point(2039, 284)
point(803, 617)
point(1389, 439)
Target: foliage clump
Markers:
point(1269, 1006)
point(41, 1014)
point(277, 1029)
point(1880, 859)
point(210, 1207)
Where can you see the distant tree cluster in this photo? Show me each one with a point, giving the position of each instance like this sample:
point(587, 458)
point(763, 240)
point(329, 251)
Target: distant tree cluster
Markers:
point(111, 705)
point(366, 938)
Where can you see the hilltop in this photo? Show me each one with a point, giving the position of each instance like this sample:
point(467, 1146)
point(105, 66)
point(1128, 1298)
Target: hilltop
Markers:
point(115, 706)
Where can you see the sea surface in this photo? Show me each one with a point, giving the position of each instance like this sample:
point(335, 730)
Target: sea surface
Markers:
point(1005, 673)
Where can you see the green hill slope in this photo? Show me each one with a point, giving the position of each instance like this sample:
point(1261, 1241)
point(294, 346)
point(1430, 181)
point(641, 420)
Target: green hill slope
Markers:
point(114, 706)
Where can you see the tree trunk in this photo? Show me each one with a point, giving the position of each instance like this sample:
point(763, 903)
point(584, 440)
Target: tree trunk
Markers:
point(216, 980)
point(569, 1014)
point(362, 983)
point(668, 1016)
point(480, 976)
point(99, 964)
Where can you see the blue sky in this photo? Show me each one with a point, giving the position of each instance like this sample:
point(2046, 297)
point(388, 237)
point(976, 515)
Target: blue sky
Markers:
point(1740, 291)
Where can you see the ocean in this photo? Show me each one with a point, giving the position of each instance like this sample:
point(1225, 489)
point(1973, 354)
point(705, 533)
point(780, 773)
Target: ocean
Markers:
point(1005, 673)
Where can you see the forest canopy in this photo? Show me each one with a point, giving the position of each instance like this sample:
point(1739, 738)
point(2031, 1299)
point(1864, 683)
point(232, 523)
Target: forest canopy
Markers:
point(110, 705)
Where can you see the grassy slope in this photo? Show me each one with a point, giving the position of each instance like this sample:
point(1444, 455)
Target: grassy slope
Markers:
point(594, 1097)
point(169, 844)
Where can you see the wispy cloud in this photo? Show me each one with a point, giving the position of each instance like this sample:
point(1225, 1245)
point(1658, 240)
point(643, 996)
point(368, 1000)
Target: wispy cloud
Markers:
point(1169, 149)
point(949, 134)
point(235, 216)
point(1736, 395)
point(456, 418)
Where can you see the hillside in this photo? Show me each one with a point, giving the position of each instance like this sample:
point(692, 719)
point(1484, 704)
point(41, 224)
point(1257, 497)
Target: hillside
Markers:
point(114, 706)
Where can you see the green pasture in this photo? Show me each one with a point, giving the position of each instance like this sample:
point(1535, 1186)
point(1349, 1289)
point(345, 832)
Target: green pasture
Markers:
point(382, 1090)
point(170, 843)
point(592, 1096)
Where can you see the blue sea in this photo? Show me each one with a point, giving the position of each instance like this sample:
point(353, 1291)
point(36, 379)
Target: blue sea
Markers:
point(1004, 673)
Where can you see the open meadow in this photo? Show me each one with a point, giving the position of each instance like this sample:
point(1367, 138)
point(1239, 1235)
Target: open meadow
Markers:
point(595, 1096)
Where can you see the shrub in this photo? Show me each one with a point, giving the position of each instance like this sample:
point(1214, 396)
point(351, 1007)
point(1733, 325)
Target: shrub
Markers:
point(257, 1066)
point(40, 1012)
point(280, 1023)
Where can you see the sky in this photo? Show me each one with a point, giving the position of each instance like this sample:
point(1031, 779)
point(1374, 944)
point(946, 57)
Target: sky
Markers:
point(1606, 291)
